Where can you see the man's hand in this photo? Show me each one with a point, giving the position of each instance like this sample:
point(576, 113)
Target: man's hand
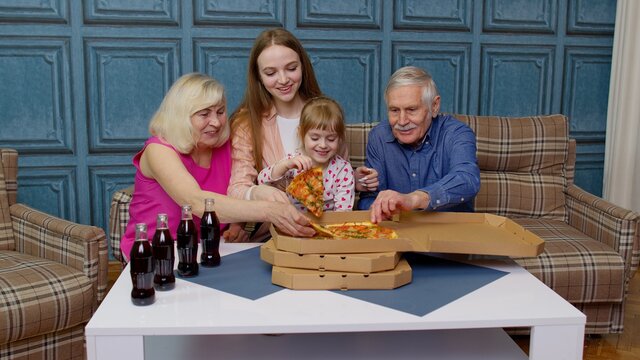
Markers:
point(235, 233)
point(366, 179)
point(389, 203)
point(289, 220)
point(269, 193)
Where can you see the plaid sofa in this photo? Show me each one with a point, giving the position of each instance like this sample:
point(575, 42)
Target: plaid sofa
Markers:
point(592, 247)
point(53, 274)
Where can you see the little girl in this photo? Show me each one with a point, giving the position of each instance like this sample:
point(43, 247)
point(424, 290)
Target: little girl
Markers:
point(322, 134)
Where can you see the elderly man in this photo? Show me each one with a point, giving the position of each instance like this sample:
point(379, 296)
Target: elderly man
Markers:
point(425, 160)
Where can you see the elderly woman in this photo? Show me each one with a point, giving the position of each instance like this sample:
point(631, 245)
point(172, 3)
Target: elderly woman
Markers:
point(188, 158)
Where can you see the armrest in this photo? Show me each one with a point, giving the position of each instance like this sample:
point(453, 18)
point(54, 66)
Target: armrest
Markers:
point(606, 223)
point(118, 219)
point(82, 247)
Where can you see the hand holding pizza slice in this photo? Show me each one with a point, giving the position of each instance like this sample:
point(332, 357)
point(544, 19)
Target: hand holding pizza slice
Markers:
point(307, 187)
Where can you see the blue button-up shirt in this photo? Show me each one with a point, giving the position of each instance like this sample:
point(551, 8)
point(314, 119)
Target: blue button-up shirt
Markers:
point(445, 165)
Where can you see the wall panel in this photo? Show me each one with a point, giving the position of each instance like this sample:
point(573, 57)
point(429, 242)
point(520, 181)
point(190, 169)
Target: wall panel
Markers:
point(434, 15)
point(239, 12)
point(157, 12)
point(51, 190)
point(36, 95)
point(521, 16)
point(516, 74)
point(37, 11)
point(340, 13)
point(126, 82)
point(348, 72)
point(449, 66)
point(226, 60)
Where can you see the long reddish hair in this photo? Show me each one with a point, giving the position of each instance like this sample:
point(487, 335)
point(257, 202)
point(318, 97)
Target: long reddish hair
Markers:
point(257, 101)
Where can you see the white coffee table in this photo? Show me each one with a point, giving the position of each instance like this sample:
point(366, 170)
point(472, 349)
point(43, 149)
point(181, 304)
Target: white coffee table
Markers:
point(194, 321)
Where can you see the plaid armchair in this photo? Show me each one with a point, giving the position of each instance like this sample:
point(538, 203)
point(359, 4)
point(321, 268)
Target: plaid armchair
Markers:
point(53, 274)
point(592, 247)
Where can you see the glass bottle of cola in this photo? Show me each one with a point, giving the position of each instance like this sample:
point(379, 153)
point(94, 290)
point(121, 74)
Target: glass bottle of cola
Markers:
point(187, 239)
point(209, 236)
point(163, 255)
point(142, 268)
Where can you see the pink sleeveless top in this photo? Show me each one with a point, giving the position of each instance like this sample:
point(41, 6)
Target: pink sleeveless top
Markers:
point(150, 199)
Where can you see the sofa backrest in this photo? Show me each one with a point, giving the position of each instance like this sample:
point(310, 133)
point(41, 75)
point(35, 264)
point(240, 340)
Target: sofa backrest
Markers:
point(524, 163)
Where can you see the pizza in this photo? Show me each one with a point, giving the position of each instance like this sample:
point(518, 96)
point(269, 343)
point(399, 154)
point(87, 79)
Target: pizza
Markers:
point(307, 188)
point(355, 230)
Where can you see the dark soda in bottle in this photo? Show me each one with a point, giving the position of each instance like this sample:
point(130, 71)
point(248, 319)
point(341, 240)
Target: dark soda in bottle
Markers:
point(187, 239)
point(209, 236)
point(163, 255)
point(142, 268)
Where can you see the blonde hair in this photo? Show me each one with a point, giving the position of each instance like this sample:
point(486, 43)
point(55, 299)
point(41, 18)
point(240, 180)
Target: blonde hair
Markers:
point(322, 113)
point(188, 95)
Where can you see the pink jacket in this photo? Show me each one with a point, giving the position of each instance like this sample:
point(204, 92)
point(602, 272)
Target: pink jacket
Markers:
point(243, 172)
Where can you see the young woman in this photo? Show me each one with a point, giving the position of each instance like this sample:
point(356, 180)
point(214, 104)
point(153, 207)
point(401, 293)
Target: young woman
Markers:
point(280, 80)
point(188, 158)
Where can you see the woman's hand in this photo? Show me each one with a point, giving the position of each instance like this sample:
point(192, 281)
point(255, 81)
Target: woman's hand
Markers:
point(235, 233)
point(289, 220)
point(269, 193)
point(366, 179)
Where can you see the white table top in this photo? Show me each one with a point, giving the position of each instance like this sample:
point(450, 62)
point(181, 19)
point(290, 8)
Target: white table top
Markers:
point(191, 309)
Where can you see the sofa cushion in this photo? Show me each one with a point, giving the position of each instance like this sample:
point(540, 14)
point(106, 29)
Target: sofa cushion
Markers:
point(65, 344)
point(522, 161)
point(39, 296)
point(578, 268)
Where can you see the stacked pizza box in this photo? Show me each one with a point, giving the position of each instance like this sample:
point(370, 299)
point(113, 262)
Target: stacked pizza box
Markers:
point(331, 271)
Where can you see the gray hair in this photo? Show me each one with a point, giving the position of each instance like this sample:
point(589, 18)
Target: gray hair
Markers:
point(412, 75)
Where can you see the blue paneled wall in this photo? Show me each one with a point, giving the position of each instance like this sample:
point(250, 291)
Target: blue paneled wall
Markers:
point(79, 80)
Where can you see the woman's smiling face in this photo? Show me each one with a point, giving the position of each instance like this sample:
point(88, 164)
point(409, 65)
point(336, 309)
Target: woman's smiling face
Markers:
point(280, 72)
point(209, 124)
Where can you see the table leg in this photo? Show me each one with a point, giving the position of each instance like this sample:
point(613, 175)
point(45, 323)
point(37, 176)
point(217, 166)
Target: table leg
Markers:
point(556, 342)
point(115, 347)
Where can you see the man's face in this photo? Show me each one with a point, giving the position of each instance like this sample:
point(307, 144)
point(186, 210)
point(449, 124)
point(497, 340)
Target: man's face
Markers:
point(408, 116)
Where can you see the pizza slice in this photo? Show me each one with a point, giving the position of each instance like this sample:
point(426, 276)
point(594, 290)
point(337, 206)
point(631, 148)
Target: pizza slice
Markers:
point(321, 230)
point(354, 230)
point(307, 187)
point(360, 230)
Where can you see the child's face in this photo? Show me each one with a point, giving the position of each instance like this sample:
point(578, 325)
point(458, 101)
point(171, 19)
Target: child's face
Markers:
point(321, 145)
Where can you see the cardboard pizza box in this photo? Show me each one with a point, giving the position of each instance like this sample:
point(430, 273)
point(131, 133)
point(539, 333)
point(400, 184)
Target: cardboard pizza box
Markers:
point(359, 263)
point(442, 232)
point(305, 279)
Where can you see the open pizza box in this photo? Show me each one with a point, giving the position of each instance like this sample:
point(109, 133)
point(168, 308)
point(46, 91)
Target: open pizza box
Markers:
point(442, 232)
point(359, 263)
point(305, 279)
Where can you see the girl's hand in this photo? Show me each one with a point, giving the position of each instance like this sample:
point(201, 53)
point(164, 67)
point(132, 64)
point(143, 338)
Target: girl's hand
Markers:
point(300, 162)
